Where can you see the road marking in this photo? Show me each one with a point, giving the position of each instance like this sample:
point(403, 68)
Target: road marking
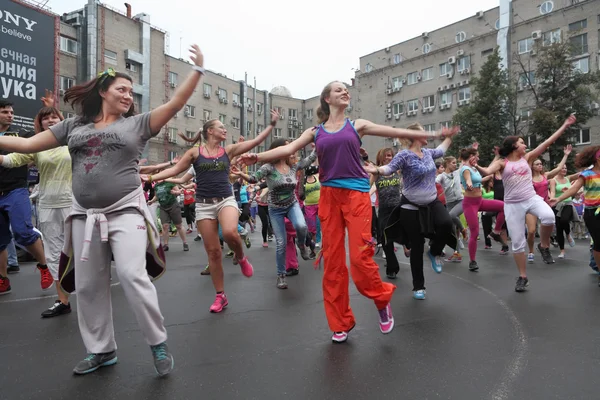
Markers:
point(51, 296)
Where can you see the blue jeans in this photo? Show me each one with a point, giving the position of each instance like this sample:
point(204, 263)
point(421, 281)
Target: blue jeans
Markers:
point(13, 261)
point(318, 238)
point(294, 214)
point(15, 213)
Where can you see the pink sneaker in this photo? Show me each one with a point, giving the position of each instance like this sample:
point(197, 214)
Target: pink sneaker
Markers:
point(339, 337)
point(386, 319)
point(219, 304)
point(265, 245)
point(246, 267)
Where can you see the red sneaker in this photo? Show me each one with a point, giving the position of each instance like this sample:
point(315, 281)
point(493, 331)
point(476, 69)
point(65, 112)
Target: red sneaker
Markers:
point(46, 278)
point(4, 285)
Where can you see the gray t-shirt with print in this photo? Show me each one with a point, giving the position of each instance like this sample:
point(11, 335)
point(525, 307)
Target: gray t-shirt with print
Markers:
point(104, 161)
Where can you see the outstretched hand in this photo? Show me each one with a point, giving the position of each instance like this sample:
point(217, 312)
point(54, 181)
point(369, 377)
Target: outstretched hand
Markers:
point(247, 159)
point(197, 57)
point(370, 168)
point(568, 149)
point(571, 120)
point(450, 132)
point(234, 170)
point(274, 116)
point(48, 98)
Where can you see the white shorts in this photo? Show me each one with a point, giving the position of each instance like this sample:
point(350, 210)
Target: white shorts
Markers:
point(212, 210)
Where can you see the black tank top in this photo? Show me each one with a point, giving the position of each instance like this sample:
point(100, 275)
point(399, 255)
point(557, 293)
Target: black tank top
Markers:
point(212, 176)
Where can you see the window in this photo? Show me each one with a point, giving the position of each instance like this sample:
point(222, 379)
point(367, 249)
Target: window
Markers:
point(525, 114)
point(582, 136)
point(460, 37)
point(277, 133)
point(427, 74)
point(172, 135)
point(577, 26)
point(68, 114)
point(546, 7)
point(68, 45)
point(397, 59)
point(497, 25)
point(293, 133)
point(259, 108)
point(66, 83)
point(464, 94)
point(429, 101)
point(413, 105)
point(222, 118)
point(248, 126)
point(368, 68)
point(222, 94)
point(260, 128)
point(172, 155)
point(280, 111)
point(426, 48)
point(172, 78)
point(551, 37)
point(579, 45)
point(411, 78)
point(236, 99)
point(582, 65)
point(463, 63)
point(429, 128)
point(190, 134)
point(190, 111)
point(397, 82)
point(207, 90)
point(445, 124)
point(445, 69)
point(531, 141)
point(398, 108)
point(487, 52)
point(526, 80)
point(525, 45)
point(206, 115)
point(292, 114)
point(137, 102)
point(309, 114)
point(131, 66)
point(235, 122)
point(445, 98)
point(110, 54)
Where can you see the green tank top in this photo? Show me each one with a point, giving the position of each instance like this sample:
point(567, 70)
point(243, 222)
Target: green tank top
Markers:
point(560, 187)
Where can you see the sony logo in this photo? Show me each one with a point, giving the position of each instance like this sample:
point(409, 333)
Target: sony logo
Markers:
point(14, 19)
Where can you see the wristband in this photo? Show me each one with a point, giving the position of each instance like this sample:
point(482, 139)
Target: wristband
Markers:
point(150, 178)
point(171, 162)
point(199, 69)
point(273, 123)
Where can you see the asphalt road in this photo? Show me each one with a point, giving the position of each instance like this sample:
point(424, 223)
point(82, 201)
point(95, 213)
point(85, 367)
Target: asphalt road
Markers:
point(472, 338)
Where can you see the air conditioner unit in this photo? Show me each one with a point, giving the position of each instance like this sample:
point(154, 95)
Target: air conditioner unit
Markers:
point(404, 80)
point(396, 89)
point(536, 35)
point(595, 106)
point(479, 14)
point(461, 103)
point(462, 72)
point(460, 53)
point(259, 112)
point(419, 78)
point(235, 103)
point(389, 91)
point(61, 92)
point(387, 49)
point(460, 84)
point(397, 116)
point(225, 101)
point(186, 113)
point(217, 92)
point(468, 71)
point(300, 125)
point(452, 85)
point(207, 95)
point(395, 142)
point(282, 117)
point(296, 122)
point(532, 53)
point(290, 125)
point(530, 122)
point(445, 87)
point(173, 84)
point(468, 101)
point(451, 60)
point(440, 89)
point(250, 109)
point(425, 34)
point(450, 75)
point(388, 116)
point(221, 100)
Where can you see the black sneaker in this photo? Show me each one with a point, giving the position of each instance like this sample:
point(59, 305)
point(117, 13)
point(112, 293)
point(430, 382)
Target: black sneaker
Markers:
point(165, 248)
point(391, 275)
point(13, 269)
point(313, 255)
point(546, 256)
point(473, 266)
point(292, 272)
point(58, 308)
point(496, 237)
point(197, 238)
point(186, 247)
point(522, 284)
point(94, 361)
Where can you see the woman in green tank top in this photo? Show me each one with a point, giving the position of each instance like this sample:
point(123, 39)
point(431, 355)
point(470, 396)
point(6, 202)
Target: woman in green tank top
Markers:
point(565, 211)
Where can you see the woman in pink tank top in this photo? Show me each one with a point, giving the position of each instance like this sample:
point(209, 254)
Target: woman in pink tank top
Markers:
point(540, 185)
point(345, 204)
point(520, 198)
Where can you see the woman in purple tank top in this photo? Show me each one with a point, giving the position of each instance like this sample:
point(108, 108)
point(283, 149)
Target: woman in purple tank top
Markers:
point(215, 203)
point(344, 204)
point(520, 198)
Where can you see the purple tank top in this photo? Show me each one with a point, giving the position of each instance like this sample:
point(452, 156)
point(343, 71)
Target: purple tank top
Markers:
point(518, 183)
point(339, 156)
point(212, 176)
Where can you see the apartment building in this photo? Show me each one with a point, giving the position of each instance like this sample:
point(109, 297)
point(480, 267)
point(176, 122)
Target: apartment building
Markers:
point(427, 78)
point(97, 37)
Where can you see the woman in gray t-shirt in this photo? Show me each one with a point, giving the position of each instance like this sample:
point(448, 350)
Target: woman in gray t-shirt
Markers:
point(105, 141)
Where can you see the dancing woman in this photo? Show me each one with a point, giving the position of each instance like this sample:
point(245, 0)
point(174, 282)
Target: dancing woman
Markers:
point(541, 182)
point(105, 141)
point(344, 204)
point(215, 203)
point(520, 197)
point(564, 210)
point(420, 213)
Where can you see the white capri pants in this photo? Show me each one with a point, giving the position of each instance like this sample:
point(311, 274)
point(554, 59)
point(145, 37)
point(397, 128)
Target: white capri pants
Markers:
point(515, 219)
point(52, 225)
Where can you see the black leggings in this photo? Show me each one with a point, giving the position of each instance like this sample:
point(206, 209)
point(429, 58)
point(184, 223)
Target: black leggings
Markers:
point(189, 210)
point(412, 227)
point(391, 262)
point(592, 223)
point(263, 214)
point(374, 222)
point(563, 225)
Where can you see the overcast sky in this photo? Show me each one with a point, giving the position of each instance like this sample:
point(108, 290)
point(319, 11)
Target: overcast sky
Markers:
point(301, 44)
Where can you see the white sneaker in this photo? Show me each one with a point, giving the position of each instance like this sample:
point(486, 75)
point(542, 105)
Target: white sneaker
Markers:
point(530, 258)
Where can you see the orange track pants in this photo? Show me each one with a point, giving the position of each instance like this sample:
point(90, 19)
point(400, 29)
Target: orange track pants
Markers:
point(341, 209)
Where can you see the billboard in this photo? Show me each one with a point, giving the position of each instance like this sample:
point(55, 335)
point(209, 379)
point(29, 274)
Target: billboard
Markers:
point(27, 58)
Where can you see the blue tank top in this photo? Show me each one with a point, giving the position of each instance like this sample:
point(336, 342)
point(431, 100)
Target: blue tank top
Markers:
point(244, 194)
point(212, 176)
point(475, 177)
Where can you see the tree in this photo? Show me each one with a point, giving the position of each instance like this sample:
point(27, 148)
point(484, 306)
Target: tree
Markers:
point(554, 90)
point(490, 115)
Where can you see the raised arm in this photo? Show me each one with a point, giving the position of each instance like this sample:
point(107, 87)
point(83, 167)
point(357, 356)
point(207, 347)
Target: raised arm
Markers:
point(188, 158)
point(186, 177)
point(492, 168)
point(148, 169)
point(467, 175)
point(280, 152)
point(307, 161)
point(162, 114)
point(42, 141)
point(247, 145)
point(555, 171)
point(538, 151)
point(368, 128)
point(14, 160)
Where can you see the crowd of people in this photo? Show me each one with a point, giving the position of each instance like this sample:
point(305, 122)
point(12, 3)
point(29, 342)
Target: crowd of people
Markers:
point(97, 204)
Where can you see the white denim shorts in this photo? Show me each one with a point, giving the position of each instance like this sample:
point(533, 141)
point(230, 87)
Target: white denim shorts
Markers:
point(210, 210)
